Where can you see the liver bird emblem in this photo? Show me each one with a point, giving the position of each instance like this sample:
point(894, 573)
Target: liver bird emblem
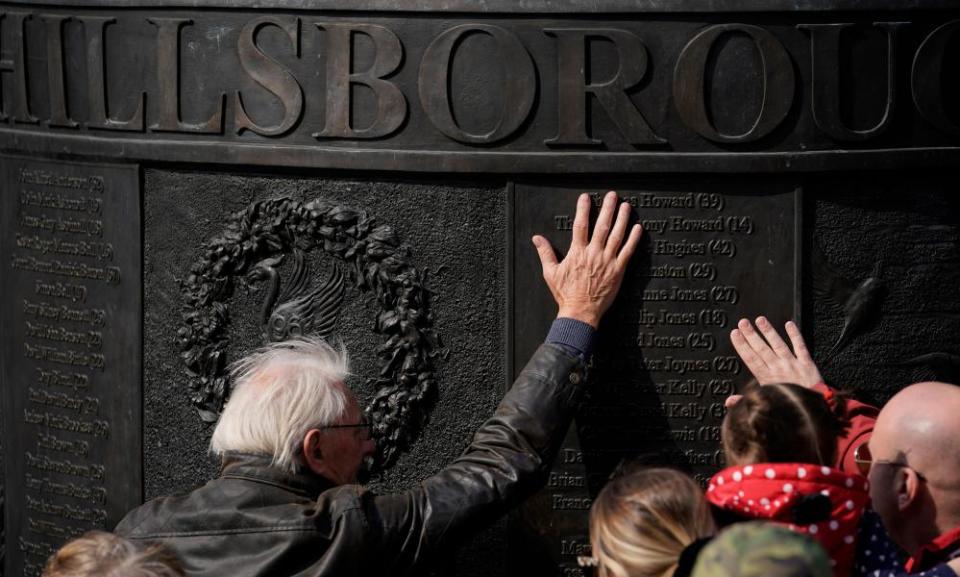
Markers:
point(297, 310)
point(860, 301)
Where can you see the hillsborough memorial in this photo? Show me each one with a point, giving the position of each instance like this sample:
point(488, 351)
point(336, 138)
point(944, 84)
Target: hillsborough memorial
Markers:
point(183, 181)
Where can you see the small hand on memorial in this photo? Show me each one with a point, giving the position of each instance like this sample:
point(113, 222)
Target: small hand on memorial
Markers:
point(587, 280)
point(769, 358)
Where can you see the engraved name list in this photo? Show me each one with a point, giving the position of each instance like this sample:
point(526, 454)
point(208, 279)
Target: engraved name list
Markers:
point(71, 288)
point(664, 364)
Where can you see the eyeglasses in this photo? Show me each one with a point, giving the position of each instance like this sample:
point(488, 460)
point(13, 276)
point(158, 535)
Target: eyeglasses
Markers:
point(865, 460)
point(366, 429)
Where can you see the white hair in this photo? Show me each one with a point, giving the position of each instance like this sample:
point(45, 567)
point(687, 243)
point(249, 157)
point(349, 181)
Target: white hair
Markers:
point(280, 392)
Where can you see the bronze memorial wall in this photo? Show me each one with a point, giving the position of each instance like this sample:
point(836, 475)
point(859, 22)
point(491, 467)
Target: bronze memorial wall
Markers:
point(72, 350)
point(169, 167)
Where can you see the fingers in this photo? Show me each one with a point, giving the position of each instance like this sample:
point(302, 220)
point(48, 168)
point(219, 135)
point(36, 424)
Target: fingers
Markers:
point(581, 222)
point(753, 362)
point(548, 258)
point(779, 347)
point(630, 246)
point(756, 342)
point(799, 345)
point(619, 230)
point(604, 221)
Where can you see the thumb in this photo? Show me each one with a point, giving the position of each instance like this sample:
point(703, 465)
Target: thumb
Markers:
point(548, 259)
point(731, 401)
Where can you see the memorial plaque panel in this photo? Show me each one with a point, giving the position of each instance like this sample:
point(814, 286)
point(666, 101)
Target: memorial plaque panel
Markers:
point(712, 253)
point(71, 257)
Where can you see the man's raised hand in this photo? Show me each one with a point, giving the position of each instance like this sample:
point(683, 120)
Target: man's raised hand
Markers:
point(769, 358)
point(585, 283)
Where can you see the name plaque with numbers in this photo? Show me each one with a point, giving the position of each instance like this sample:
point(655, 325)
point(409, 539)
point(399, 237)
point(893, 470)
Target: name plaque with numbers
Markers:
point(712, 252)
point(71, 287)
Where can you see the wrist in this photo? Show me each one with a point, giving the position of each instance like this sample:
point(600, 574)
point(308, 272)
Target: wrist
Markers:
point(583, 315)
point(573, 335)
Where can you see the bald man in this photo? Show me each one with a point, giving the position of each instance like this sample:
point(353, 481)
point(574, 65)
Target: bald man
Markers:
point(912, 455)
point(914, 458)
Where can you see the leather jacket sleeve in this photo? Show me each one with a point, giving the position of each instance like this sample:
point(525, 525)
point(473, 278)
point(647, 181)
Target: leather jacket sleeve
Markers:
point(507, 461)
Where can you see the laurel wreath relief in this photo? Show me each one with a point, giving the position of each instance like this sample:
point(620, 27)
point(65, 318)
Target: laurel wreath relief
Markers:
point(373, 258)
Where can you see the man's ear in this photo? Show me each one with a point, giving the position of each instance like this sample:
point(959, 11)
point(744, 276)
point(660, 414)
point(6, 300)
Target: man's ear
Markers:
point(908, 487)
point(313, 452)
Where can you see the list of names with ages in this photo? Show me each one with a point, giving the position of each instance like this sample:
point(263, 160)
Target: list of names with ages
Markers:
point(67, 309)
point(663, 365)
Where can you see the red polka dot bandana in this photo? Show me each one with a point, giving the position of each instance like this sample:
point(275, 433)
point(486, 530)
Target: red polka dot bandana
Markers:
point(821, 502)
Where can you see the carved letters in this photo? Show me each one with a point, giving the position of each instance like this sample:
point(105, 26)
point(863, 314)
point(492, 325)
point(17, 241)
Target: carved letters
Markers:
point(825, 48)
point(927, 78)
point(55, 73)
point(690, 73)
point(269, 74)
point(98, 116)
point(168, 81)
point(391, 109)
point(572, 69)
point(16, 66)
point(551, 88)
point(518, 90)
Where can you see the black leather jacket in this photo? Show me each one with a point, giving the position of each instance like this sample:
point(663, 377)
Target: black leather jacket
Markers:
point(256, 520)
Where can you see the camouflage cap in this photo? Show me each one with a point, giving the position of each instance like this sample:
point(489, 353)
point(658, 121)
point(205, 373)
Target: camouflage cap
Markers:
point(758, 549)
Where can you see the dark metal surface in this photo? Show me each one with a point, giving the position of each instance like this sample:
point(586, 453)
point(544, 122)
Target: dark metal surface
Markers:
point(713, 253)
point(515, 93)
point(71, 357)
point(908, 223)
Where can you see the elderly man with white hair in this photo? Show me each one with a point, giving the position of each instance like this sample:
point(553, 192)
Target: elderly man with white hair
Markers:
point(287, 397)
point(292, 441)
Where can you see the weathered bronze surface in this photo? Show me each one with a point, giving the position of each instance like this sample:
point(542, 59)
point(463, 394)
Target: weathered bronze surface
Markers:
point(258, 239)
point(527, 92)
point(245, 147)
point(71, 354)
point(713, 254)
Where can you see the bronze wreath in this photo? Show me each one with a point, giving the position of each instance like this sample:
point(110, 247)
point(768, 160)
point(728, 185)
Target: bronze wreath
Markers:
point(373, 258)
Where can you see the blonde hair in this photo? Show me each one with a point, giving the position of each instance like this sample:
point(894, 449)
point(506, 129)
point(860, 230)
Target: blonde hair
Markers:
point(280, 392)
point(643, 519)
point(100, 554)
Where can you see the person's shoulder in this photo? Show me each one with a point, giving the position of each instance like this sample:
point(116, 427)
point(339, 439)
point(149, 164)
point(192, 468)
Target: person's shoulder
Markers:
point(148, 518)
point(175, 513)
point(349, 507)
point(876, 554)
point(343, 498)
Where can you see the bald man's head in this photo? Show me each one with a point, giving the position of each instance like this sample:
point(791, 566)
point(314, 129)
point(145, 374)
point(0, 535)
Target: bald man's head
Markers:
point(915, 479)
